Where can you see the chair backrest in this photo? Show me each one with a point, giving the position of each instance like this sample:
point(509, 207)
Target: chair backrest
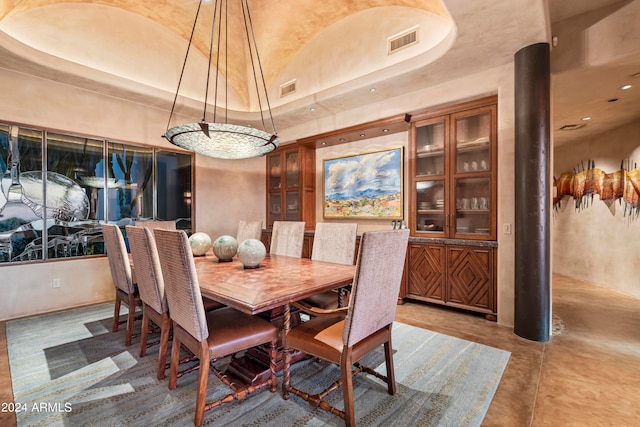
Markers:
point(181, 282)
point(376, 283)
point(334, 242)
point(147, 266)
point(287, 238)
point(165, 225)
point(118, 258)
point(249, 230)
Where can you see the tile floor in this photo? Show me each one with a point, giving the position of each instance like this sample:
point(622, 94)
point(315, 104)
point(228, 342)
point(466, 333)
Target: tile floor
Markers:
point(588, 374)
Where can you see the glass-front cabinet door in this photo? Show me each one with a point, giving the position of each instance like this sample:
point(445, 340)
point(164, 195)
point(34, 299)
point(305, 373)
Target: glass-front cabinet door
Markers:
point(473, 198)
point(473, 192)
point(430, 167)
point(430, 214)
point(292, 174)
point(453, 174)
point(274, 182)
point(430, 148)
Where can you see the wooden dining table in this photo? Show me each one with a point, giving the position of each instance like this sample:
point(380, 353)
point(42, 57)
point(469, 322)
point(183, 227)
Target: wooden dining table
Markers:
point(267, 291)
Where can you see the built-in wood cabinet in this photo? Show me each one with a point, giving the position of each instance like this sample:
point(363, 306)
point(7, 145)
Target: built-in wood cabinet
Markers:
point(453, 207)
point(291, 185)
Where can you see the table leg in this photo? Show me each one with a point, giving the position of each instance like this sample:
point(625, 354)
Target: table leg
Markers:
point(286, 354)
point(253, 366)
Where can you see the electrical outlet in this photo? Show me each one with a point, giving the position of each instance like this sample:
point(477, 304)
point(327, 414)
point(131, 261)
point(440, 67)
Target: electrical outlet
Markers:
point(506, 228)
point(55, 283)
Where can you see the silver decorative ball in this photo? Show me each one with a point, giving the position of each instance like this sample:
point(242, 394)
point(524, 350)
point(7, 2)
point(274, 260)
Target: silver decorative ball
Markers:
point(225, 248)
point(251, 252)
point(200, 243)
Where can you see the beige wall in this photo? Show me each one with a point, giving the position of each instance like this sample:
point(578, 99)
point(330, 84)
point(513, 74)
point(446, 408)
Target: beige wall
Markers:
point(598, 244)
point(227, 191)
point(27, 289)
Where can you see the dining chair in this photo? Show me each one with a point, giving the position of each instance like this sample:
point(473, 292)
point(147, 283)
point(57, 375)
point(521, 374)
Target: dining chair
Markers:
point(167, 225)
point(126, 289)
point(367, 325)
point(208, 335)
point(333, 242)
point(249, 230)
point(151, 288)
point(287, 238)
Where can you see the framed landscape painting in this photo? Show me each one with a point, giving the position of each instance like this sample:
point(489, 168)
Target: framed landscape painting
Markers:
point(364, 186)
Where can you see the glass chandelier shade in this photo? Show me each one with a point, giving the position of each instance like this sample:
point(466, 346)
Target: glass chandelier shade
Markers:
point(225, 140)
point(222, 140)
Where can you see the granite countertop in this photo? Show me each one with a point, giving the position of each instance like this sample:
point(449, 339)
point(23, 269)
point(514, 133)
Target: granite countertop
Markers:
point(433, 240)
point(459, 242)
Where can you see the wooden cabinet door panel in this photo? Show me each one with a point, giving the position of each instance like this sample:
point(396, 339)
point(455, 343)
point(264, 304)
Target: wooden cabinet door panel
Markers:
point(426, 271)
point(470, 275)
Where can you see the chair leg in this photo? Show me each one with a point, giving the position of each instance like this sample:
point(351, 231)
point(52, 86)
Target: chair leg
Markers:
point(388, 360)
point(164, 343)
point(144, 335)
point(130, 319)
point(116, 315)
point(347, 391)
point(203, 377)
point(175, 361)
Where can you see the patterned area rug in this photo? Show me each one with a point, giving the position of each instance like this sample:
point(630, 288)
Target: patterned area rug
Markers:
point(69, 370)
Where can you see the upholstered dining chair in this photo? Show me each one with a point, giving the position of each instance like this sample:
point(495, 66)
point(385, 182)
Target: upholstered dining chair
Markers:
point(287, 238)
point(166, 225)
point(208, 335)
point(151, 288)
point(367, 325)
point(126, 289)
point(249, 230)
point(333, 242)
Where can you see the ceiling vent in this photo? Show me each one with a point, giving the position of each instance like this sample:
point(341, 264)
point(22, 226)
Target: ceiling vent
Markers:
point(404, 39)
point(287, 88)
point(573, 127)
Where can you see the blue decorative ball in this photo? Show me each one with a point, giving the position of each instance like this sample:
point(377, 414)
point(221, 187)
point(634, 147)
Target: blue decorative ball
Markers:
point(251, 252)
point(225, 248)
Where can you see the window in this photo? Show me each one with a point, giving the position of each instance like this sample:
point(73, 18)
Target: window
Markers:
point(57, 189)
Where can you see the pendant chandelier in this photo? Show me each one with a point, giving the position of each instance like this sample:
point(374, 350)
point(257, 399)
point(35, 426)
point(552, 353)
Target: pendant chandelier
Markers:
point(221, 139)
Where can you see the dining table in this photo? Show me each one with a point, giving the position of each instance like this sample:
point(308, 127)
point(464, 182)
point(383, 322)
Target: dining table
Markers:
point(267, 291)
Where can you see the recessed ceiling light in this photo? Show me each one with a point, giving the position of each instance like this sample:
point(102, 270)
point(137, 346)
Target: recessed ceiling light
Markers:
point(385, 130)
point(342, 140)
point(312, 109)
point(323, 143)
point(373, 89)
point(625, 87)
point(362, 134)
point(586, 118)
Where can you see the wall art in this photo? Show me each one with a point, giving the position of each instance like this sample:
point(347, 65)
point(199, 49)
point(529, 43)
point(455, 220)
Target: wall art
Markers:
point(364, 186)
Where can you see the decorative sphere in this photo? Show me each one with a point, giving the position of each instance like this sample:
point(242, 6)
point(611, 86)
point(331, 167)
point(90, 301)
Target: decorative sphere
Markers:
point(251, 252)
point(200, 243)
point(225, 248)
